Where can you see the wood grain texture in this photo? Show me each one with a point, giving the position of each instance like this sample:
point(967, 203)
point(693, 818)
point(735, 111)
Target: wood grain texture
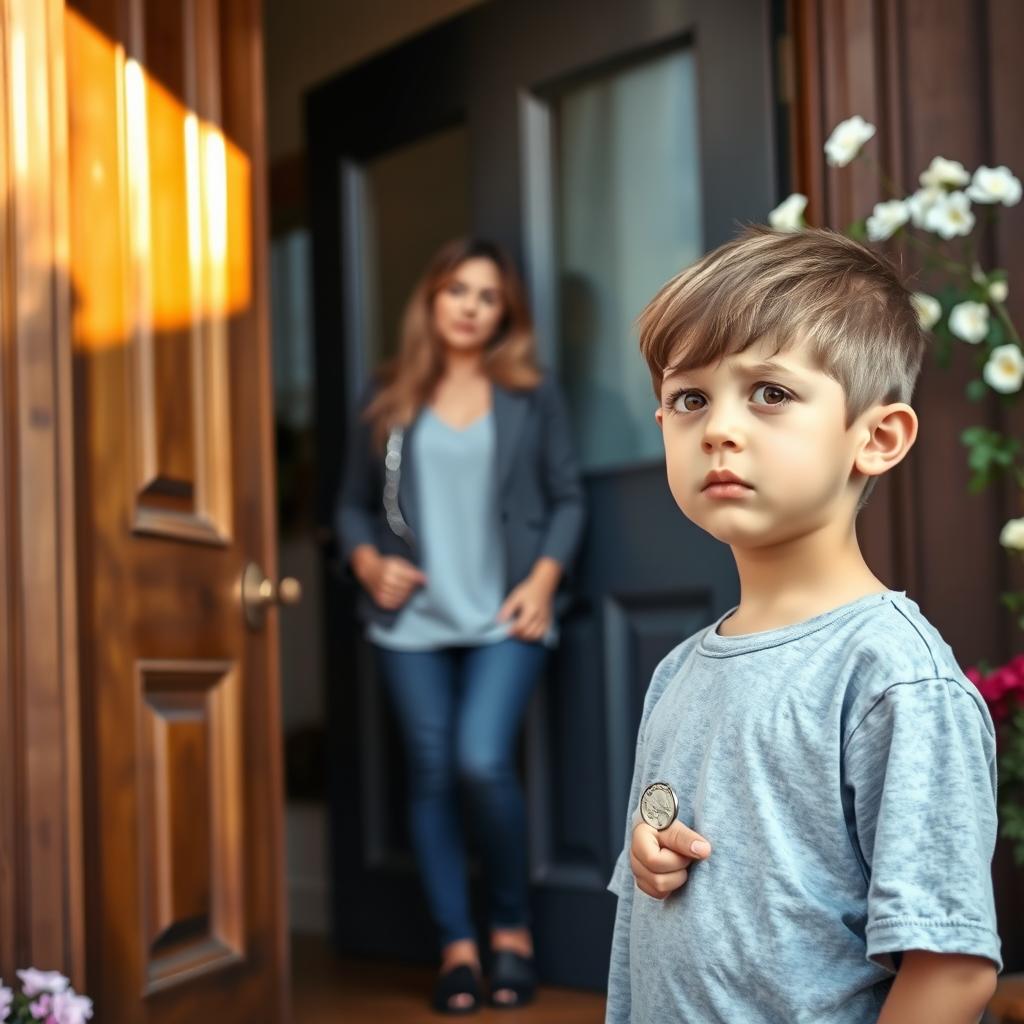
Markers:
point(182, 754)
point(924, 73)
point(40, 804)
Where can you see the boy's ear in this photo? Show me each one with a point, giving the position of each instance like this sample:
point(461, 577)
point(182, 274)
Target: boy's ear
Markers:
point(658, 418)
point(889, 433)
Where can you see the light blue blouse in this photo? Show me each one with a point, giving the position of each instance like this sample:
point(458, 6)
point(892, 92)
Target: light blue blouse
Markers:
point(458, 533)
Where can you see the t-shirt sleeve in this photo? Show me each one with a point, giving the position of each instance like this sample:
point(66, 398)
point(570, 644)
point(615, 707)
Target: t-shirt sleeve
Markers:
point(619, 1004)
point(920, 766)
point(618, 1007)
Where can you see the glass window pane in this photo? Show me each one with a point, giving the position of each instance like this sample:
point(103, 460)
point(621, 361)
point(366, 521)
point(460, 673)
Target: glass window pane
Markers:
point(629, 210)
point(416, 198)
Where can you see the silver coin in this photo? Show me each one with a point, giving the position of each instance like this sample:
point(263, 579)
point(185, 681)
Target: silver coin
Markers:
point(659, 806)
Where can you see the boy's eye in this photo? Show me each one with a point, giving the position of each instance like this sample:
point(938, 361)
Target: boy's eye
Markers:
point(687, 401)
point(770, 394)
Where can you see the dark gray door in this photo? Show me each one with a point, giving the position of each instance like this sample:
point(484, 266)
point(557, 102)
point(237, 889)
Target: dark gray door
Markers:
point(607, 145)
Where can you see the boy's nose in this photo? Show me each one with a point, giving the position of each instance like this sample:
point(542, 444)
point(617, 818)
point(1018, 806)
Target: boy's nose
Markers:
point(722, 431)
point(728, 443)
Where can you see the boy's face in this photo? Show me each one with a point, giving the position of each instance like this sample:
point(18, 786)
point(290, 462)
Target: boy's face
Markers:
point(757, 447)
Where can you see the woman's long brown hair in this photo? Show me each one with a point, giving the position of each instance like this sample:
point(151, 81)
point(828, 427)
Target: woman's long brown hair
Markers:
point(408, 381)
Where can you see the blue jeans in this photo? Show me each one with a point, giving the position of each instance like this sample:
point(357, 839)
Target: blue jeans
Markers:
point(459, 710)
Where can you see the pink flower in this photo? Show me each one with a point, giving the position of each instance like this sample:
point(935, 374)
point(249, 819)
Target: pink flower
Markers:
point(71, 1008)
point(40, 1009)
point(1001, 687)
point(34, 982)
point(998, 683)
point(1016, 665)
point(6, 998)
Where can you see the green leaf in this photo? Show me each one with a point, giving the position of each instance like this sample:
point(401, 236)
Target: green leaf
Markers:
point(942, 348)
point(858, 230)
point(977, 390)
point(996, 332)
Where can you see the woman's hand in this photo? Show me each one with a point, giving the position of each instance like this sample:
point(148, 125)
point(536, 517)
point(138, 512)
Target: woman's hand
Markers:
point(528, 606)
point(388, 579)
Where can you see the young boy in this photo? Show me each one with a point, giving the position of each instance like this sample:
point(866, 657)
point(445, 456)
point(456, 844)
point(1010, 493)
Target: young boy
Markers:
point(836, 764)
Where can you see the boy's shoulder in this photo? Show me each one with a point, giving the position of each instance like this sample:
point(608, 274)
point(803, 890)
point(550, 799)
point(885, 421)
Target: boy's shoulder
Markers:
point(893, 644)
point(887, 642)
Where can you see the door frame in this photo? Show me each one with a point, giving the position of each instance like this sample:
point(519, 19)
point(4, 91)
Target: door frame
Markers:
point(467, 70)
point(41, 840)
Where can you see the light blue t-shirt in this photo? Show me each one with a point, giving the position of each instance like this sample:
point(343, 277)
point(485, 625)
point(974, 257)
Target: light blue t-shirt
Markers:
point(457, 532)
point(843, 770)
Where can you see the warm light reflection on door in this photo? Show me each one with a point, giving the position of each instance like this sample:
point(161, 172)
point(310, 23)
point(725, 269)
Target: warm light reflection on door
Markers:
point(172, 191)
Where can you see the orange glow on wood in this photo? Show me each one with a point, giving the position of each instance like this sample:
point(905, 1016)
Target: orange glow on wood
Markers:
point(164, 244)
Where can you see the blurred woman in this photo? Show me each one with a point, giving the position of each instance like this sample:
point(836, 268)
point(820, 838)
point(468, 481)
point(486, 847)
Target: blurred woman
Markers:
point(460, 510)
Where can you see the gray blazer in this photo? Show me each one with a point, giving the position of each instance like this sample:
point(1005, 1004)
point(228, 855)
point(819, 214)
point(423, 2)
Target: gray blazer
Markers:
point(540, 498)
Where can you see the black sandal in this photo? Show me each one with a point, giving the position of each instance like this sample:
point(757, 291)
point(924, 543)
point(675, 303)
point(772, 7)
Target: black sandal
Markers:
point(461, 980)
point(513, 973)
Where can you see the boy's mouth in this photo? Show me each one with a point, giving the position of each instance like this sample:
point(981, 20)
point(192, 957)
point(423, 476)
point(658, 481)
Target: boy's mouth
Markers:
point(723, 476)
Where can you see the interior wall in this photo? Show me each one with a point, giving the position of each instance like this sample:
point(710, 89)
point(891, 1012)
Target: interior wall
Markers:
point(310, 40)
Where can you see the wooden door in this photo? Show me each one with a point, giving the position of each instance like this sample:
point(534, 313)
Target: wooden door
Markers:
point(523, 84)
point(185, 916)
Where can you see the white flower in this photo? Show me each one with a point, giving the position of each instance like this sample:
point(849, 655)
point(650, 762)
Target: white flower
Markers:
point(999, 290)
point(886, 219)
point(944, 172)
point(922, 201)
point(1004, 371)
point(1012, 535)
point(34, 982)
point(6, 998)
point(927, 308)
point(951, 215)
point(789, 214)
point(995, 185)
point(846, 140)
point(71, 1008)
point(969, 321)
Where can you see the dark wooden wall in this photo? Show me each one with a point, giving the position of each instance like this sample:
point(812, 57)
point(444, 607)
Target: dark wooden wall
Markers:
point(938, 77)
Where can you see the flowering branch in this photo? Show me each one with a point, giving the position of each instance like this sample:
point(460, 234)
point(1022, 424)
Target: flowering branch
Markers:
point(970, 308)
point(46, 997)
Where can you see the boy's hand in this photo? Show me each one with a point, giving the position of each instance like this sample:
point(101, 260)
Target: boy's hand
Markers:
point(661, 860)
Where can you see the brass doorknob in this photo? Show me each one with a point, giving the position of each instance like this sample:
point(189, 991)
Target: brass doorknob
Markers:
point(259, 592)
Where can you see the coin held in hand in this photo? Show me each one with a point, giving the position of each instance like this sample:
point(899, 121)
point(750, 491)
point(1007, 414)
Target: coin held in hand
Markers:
point(659, 806)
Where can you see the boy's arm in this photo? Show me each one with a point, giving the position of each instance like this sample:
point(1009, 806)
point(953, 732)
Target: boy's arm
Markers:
point(939, 988)
point(919, 769)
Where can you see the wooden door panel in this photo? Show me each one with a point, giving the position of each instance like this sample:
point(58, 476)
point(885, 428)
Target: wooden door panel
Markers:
point(176, 184)
point(173, 448)
point(189, 791)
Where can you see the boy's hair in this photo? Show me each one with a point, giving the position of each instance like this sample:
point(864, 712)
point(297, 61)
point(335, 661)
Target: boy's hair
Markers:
point(845, 300)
